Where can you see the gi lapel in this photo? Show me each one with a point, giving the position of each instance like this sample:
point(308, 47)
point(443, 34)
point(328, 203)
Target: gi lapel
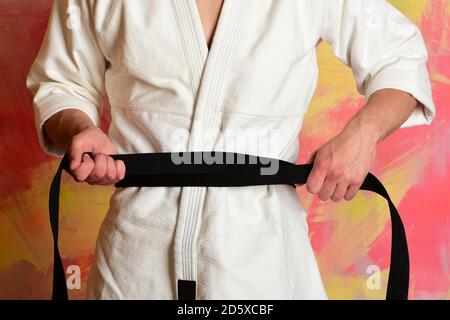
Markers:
point(218, 63)
point(208, 76)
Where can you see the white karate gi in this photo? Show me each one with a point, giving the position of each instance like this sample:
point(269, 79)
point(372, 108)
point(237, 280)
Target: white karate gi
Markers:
point(152, 60)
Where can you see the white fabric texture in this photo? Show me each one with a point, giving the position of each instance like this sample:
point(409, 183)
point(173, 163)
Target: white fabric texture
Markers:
point(169, 92)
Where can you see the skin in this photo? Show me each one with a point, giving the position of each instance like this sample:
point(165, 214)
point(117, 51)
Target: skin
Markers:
point(209, 11)
point(339, 166)
point(72, 130)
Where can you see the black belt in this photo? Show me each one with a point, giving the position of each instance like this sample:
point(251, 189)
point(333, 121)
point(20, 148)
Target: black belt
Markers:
point(160, 170)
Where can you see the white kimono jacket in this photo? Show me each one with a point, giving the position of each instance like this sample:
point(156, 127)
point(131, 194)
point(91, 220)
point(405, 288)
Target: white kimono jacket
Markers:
point(169, 92)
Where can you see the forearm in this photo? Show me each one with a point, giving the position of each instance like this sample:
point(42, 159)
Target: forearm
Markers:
point(341, 165)
point(386, 111)
point(62, 126)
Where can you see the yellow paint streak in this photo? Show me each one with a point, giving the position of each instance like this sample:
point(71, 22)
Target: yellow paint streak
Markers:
point(358, 224)
point(26, 222)
point(20, 250)
point(405, 171)
point(335, 82)
point(439, 77)
point(83, 208)
point(355, 287)
point(412, 9)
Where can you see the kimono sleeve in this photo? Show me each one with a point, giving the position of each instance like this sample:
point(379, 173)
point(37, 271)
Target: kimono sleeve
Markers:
point(69, 69)
point(383, 48)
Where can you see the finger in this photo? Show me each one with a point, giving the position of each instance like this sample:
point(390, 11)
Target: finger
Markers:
point(111, 169)
point(340, 191)
point(120, 169)
point(352, 190)
point(85, 168)
point(110, 174)
point(317, 176)
point(75, 154)
point(101, 165)
point(327, 189)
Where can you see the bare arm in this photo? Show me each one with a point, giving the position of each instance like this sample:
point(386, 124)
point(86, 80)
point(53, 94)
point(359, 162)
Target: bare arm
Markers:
point(385, 112)
point(67, 82)
point(385, 50)
point(73, 131)
point(341, 165)
point(64, 125)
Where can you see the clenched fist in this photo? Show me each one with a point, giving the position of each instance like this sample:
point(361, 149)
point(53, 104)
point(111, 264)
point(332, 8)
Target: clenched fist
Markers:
point(102, 169)
point(340, 166)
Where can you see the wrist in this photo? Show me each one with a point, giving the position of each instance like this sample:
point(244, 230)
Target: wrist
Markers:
point(366, 128)
point(81, 126)
point(71, 122)
point(75, 121)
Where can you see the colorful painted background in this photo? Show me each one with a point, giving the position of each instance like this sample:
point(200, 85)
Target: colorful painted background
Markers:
point(348, 237)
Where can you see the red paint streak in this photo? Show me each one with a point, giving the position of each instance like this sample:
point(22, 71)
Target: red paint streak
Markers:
point(426, 206)
point(22, 31)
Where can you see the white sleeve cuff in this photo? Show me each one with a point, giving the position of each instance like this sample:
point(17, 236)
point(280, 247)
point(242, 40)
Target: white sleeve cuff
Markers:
point(415, 84)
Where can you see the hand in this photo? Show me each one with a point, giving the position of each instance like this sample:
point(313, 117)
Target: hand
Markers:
point(103, 169)
point(341, 165)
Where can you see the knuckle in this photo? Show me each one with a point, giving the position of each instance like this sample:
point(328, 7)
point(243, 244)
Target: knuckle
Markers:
point(335, 173)
point(311, 188)
point(348, 177)
point(348, 197)
point(358, 180)
point(335, 199)
point(111, 176)
point(323, 196)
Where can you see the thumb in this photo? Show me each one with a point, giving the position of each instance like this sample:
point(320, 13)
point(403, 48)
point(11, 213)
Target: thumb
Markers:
point(75, 156)
point(75, 161)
